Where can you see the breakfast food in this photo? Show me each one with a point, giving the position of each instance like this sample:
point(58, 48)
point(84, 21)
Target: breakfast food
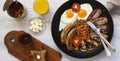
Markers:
point(65, 32)
point(76, 34)
point(94, 14)
point(26, 48)
point(68, 16)
point(79, 36)
point(36, 24)
point(39, 55)
point(85, 11)
point(77, 11)
point(75, 7)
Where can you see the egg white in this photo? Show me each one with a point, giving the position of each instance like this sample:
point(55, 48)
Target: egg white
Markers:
point(62, 25)
point(88, 8)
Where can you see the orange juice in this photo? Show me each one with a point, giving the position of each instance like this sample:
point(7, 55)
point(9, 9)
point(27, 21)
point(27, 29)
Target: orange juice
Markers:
point(41, 6)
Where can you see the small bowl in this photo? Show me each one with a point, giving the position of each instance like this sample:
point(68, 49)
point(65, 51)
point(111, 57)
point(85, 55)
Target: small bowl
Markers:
point(37, 25)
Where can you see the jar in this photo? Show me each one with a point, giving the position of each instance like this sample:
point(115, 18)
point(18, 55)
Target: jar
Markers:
point(16, 10)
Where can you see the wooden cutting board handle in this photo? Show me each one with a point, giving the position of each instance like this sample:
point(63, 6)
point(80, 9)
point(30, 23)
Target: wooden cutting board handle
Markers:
point(20, 48)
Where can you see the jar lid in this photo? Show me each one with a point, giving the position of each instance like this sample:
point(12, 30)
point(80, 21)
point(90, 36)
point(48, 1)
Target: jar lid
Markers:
point(7, 4)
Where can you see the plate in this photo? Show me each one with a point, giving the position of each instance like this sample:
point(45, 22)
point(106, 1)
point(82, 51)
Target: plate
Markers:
point(56, 33)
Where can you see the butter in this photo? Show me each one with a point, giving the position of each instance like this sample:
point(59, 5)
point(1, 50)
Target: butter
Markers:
point(38, 56)
point(36, 25)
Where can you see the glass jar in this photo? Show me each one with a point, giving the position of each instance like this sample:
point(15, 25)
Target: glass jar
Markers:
point(16, 10)
point(36, 25)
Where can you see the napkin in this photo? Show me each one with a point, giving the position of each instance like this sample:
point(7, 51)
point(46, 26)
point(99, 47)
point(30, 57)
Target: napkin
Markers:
point(112, 4)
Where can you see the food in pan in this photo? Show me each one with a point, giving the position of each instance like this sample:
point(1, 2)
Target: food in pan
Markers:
point(85, 11)
point(68, 16)
point(76, 33)
point(76, 11)
point(79, 36)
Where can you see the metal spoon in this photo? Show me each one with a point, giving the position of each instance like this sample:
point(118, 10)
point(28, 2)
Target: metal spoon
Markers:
point(105, 47)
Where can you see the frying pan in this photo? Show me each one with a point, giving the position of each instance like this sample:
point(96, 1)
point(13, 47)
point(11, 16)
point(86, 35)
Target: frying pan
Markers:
point(56, 33)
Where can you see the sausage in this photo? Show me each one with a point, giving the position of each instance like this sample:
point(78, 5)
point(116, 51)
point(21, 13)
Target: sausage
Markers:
point(69, 39)
point(103, 29)
point(65, 32)
point(101, 21)
point(94, 14)
point(94, 36)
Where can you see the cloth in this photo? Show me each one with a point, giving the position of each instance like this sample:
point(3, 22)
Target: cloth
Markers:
point(112, 4)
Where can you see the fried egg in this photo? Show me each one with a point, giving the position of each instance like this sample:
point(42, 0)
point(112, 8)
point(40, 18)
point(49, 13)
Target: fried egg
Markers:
point(85, 11)
point(68, 16)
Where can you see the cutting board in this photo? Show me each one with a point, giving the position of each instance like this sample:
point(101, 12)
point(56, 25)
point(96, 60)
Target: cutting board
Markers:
point(20, 43)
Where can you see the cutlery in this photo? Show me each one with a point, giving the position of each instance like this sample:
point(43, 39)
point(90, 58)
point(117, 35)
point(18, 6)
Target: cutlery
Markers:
point(106, 49)
point(103, 40)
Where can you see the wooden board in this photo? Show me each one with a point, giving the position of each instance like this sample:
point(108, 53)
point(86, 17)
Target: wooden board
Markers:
point(20, 48)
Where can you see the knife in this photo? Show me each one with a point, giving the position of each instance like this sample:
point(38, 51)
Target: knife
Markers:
point(97, 30)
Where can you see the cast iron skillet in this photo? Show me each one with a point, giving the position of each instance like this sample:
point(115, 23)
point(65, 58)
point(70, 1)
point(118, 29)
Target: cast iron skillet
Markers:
point(56, 34)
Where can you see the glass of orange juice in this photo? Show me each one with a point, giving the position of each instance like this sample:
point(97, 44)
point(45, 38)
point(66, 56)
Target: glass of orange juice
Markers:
point(41, 6)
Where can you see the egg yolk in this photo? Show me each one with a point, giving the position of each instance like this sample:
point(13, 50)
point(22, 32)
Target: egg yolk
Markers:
point(69, 13)
point(82, 13)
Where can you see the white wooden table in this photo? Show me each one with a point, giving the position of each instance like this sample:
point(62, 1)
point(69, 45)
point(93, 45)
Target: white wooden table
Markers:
point(8, 24)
